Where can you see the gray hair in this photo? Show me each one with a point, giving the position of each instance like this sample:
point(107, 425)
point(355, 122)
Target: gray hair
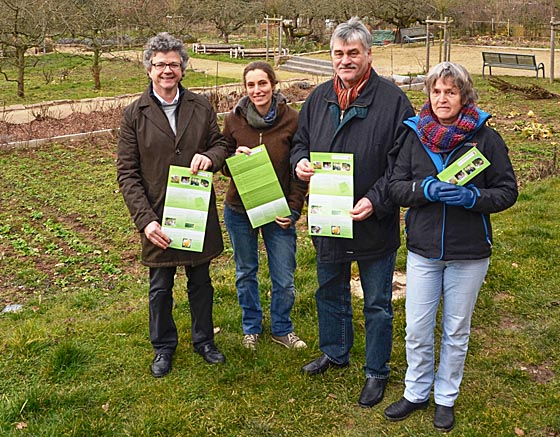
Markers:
point(458, 74)
point(351, 31)
point(164, 42)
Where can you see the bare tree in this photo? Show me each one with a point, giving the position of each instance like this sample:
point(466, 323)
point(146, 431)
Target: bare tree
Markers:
point(96, 22)
point(228, 15)
point(173, 16)
point(24, 25)
point(401, 13)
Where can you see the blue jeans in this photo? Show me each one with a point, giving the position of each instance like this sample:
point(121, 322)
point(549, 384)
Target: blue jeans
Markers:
point(334, 309)
point(281, 252)
point(427, 281)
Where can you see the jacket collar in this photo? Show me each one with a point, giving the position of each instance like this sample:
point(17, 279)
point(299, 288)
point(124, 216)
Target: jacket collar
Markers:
point(151, 108)
point(367, 95)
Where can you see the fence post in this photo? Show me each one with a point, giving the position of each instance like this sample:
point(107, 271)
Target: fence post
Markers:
point(553, 25)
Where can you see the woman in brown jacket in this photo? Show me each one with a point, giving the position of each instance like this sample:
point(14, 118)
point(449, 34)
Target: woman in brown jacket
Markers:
point(262, 117)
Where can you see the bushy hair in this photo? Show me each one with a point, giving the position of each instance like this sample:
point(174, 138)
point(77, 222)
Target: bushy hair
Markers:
point(458, 74)
point(164, 42)
point(351, 31)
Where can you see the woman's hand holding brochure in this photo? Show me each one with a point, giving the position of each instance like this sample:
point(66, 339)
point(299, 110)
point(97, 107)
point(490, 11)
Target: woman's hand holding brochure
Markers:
point(456, 195)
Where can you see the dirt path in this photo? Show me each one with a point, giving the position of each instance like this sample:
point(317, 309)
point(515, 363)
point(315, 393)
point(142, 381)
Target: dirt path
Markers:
point(387, 60)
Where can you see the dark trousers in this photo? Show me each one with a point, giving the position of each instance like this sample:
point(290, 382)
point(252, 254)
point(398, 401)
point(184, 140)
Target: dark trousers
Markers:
point(163, 332)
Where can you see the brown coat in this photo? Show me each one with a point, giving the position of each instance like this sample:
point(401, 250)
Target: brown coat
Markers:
point(278, 143)
point(147, 147)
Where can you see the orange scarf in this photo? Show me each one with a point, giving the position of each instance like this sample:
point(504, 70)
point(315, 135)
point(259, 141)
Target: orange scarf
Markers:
point(347, 96)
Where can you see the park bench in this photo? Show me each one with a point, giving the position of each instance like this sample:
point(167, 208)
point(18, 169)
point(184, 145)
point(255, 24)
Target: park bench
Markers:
point(215, 48)
point(510, 60)
point(414, 34)
point(256, 52)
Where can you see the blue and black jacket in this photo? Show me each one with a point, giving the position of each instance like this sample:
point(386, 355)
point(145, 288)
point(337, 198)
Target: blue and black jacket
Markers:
point(438, 231)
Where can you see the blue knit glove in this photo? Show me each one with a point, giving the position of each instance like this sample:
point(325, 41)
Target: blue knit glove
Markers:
point(434, 188)
point(456, 195)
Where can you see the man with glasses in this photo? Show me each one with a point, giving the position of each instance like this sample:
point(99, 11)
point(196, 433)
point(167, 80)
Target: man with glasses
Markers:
point(169, 125)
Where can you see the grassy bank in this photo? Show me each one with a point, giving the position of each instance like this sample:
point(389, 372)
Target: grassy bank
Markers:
point(75, 360)
point(65, 76)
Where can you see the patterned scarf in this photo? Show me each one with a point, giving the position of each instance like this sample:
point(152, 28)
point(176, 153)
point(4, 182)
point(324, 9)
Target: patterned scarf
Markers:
point(443, 139)
point(254, 118)
point(347, 96)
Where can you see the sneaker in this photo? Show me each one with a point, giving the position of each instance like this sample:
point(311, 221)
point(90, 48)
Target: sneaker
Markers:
point(250, 341)
point(291, 341)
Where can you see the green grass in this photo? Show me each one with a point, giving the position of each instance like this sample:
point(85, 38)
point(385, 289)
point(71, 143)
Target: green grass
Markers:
point(75, 361)
point(119, 75)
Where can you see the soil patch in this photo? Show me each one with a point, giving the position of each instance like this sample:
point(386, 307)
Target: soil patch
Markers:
point(77, 122)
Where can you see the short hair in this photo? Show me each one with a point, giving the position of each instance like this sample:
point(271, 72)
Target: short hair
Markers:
point(458, 74)
point(352, 30)
point(164, 42)
point(260, 65)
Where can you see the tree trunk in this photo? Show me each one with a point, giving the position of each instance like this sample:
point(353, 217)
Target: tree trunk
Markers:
point(96, 68)
point(20, 60)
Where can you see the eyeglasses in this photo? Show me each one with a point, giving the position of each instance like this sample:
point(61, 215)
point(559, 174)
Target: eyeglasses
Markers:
point(160, 66)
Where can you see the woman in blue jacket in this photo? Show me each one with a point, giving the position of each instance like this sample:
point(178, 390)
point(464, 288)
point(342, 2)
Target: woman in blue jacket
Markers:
point(448, 231)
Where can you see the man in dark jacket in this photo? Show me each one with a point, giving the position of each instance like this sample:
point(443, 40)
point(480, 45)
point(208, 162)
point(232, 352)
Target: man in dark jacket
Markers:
point(169, 125)
point(360, 113)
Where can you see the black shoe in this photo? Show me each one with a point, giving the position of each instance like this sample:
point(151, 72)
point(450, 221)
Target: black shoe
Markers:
point(373, 392)
point(444, 418)
point(211, 354)
point(161, 365)
point(321, 365)
point(403, 408)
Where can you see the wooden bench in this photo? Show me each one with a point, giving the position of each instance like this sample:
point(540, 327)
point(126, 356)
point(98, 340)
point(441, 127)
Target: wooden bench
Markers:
point(215, 48)
point(510, 60)
point(414, 34)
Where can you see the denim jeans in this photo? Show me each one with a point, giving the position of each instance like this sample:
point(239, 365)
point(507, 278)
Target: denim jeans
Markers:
point(280, 247)
point(163, 332)
point(334, 309)
point(427, 281)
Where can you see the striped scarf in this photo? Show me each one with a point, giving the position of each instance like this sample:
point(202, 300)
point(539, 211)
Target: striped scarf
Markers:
point(443, 139)
point(347, 96)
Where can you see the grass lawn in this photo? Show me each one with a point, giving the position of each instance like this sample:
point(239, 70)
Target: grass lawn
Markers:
point(64, 76)
point(75, 360)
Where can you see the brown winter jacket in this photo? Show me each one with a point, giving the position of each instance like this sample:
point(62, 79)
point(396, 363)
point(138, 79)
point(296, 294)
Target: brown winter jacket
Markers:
point(278, 142)
point(147, 147)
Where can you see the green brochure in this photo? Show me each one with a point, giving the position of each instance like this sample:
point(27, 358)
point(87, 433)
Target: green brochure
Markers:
point(258, 186)
point(465, 168)
point(331, 195)
point(186, 208)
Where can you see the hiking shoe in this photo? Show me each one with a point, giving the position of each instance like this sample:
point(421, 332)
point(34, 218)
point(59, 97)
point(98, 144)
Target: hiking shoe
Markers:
point(250, 341)
point(291, 341)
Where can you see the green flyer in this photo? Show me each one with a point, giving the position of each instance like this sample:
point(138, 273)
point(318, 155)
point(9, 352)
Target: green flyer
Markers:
point(465, 168)
point(186, 208)
point(331, 195)
point(258, 186)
